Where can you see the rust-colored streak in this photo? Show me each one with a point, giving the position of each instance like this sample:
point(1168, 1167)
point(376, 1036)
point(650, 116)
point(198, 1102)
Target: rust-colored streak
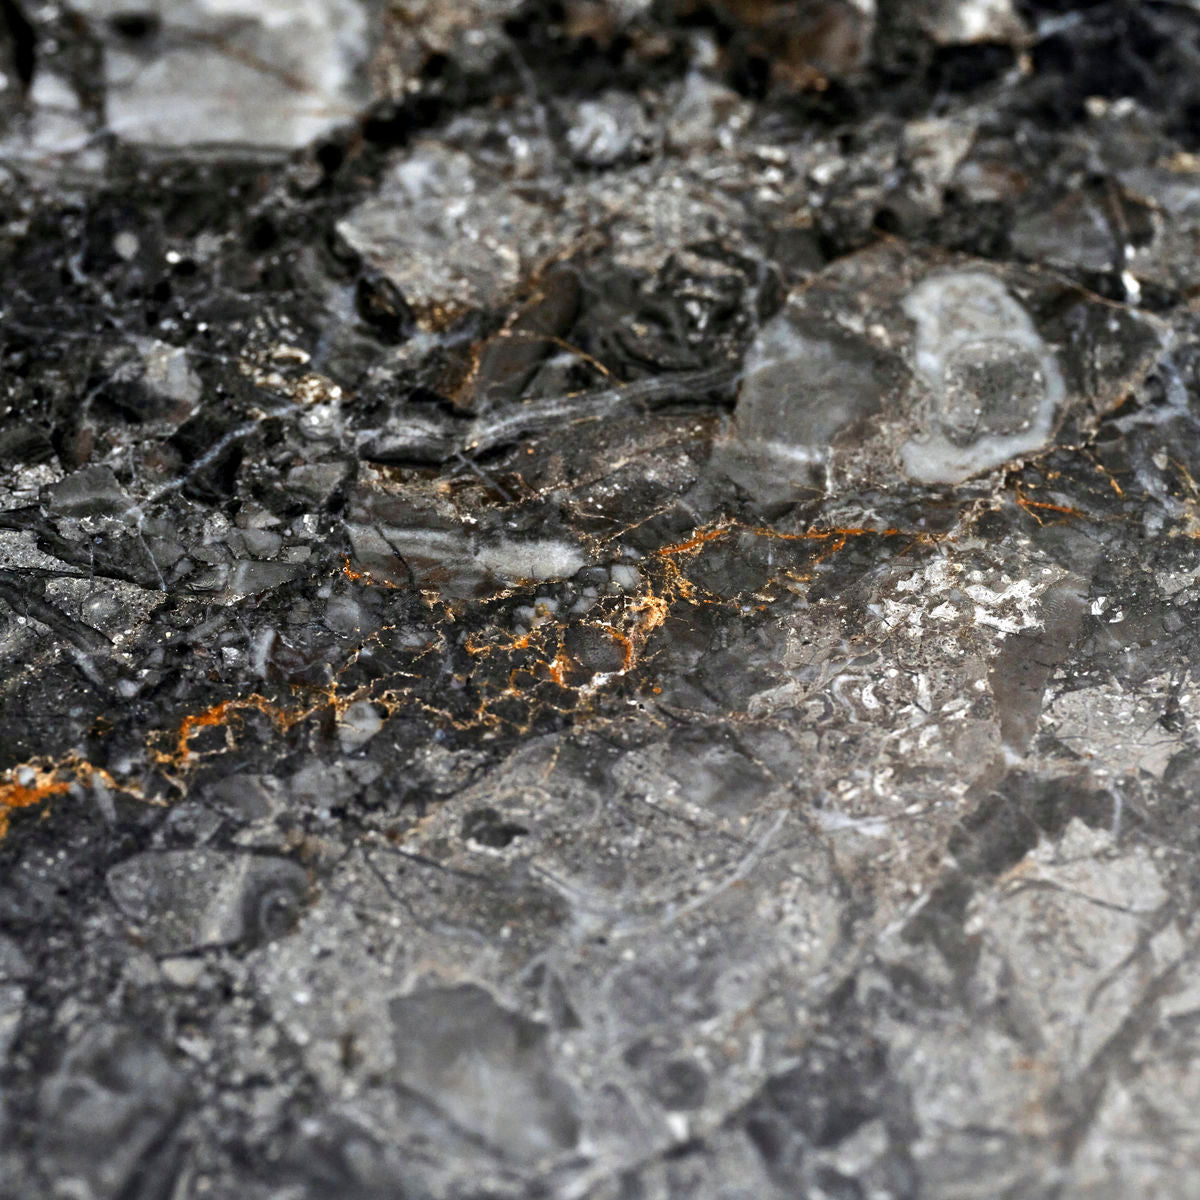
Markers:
point(534, 658)
point(216, 715)
point(559, 667)
point(839, 535)
point(1046, 505)
point(219, 715)
point(363, 577)
point(33, 783)
point(481, 649)
point(696, 540)
point(626, 644)
point(1035, 507)
point(17, 795)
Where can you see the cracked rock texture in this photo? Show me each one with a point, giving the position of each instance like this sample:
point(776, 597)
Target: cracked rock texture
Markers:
point(599, 600)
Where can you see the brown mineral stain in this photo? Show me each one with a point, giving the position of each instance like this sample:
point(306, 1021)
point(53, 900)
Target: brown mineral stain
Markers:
point(1036, 507)
point(839, 536)
point(696, 540)
point(216, 715)
point(364, 577)
point(219, 716)
point(16, 795)
point(541, 657)
point(33, 783)
point(558, 668)
point(626, 646)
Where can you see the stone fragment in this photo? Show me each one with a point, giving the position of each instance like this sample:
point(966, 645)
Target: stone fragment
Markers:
point(487, 1067)
point(453, 232)
point(169, 373)
point(316, 481)
point(407, 543)
point(954, 22)
point(246, 797)
point(208, 73)
point(805, 381)
point(12, 1006)
point(358, 725)
point(996, 385)
point(934, 148)
point(1094, 912)
point(467, 31)
point(90, 492)
point(103, 1111)
point(185, 900)
point(55, 132)
point(261, 543)
point(1111, 726)
point(609, 129)
point(1165, 253)
point(705, 113)
point(453, 235)
point(248, 576)
point(182, 972)
point(13, 963)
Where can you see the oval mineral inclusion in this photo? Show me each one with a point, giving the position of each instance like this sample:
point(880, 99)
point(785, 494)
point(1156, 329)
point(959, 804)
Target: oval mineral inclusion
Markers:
point(996, 386)
point(903, 366)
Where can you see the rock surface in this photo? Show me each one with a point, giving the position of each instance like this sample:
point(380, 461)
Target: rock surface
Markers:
point(599, 600)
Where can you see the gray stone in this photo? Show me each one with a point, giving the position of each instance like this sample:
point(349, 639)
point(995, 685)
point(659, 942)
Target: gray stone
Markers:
point(189, 899)
point(485, 1066)
point(104, 1110)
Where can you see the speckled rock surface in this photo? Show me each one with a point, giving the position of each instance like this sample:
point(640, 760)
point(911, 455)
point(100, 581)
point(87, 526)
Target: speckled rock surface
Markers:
point(599, 600)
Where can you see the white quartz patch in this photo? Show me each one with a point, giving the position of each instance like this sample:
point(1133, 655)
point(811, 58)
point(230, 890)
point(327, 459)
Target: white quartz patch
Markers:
point(892, 367)
point(804, 382)
point(996, 386)
point(449, 234)
point(168, 371)
point(454, 559)
point(540, 559)
point(227, 72)
point(1119, 730)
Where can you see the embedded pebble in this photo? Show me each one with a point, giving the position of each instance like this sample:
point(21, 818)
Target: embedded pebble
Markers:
point(996, 385)
point(185, 900)
point(359, 724)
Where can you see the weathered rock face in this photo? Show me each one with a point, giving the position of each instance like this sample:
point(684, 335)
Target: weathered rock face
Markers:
point(599, 600)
